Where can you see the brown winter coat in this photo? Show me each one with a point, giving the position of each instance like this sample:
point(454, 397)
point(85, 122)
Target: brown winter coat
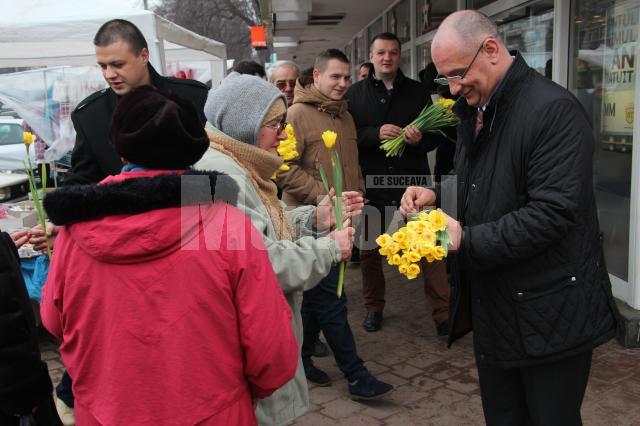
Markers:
point(310, 115)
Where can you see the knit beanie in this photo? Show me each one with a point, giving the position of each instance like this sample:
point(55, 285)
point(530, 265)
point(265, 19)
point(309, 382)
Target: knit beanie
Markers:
point(157, 130)
point(241, 105)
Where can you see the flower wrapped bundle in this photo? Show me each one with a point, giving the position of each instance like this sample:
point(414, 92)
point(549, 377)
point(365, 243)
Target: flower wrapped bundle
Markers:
point(287, 148)
point(424, 237)
point(432, 119)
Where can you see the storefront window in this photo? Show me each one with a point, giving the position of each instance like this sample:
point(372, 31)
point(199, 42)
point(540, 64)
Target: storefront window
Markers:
point(405, 62)
point(602, 76)
point(360, 49)
point(373, 30)
point(430, 13)
point(398, 21)
point(529, 30)
point(347, 51)
point(423, 55)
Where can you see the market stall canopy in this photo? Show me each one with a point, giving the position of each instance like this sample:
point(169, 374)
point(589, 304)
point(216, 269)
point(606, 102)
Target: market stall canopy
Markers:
point(57, 38)
point(45, 33)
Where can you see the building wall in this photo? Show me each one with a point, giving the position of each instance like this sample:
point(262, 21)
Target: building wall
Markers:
point(591, 47)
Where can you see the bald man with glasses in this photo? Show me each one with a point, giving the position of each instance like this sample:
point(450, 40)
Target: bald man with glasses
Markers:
point(528, 269)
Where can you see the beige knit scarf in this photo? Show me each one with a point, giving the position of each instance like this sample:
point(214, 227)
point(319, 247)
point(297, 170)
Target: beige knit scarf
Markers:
point(259, 166)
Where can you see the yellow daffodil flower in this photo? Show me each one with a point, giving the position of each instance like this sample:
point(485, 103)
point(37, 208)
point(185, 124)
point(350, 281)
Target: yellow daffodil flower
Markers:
point(413, 270)
point(329, 138)
point(28, 138)
point(284, 168)
point(438, 252)
point(384, 240)
point(413, 256)
point(399, 236)
point(438, 220)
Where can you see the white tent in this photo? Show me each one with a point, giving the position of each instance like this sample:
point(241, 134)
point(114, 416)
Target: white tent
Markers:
point(36, 33)
point(58, 35)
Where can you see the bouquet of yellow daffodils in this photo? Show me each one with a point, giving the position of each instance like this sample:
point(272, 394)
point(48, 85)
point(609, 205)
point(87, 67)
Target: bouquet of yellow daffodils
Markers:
point(329, 139)
point(424, 236)
point(287, 148)
point(28, 138)
point(432, 118)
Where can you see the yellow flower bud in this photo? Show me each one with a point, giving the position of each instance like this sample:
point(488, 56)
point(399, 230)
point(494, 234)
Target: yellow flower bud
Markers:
point(414, 256)
point(399, 236)
point(329, 138)
point(438, 220)
point(284, 168)
point(439, 252)
point(28, 138)
point(413, 269)
point(384, 240)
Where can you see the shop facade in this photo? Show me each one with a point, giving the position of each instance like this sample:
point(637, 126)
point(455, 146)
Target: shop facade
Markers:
point(591, 47)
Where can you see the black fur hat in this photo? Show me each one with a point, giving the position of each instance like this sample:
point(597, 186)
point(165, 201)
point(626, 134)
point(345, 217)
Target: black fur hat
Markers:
point(157, 130)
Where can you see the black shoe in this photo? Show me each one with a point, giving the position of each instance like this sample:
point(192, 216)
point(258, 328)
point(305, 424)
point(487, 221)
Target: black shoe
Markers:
point(368, 387)
point(373, 321)
point(443, 329)
point(320, 349)
point(316, 376)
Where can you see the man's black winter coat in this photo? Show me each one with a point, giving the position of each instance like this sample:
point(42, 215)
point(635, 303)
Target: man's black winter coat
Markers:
point(94, 157)
point(530, 275)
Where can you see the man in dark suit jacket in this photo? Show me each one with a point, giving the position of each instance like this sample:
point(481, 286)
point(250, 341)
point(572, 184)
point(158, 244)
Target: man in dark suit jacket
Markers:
point(122, 53)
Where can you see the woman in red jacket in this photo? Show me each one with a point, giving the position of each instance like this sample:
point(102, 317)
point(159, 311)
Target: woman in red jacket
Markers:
point(168, 314)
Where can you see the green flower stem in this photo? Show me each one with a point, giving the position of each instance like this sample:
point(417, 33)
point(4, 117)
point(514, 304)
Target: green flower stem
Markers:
point(431, 119)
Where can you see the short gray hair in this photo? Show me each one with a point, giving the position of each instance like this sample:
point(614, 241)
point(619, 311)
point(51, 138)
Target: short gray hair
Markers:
point(280, 64)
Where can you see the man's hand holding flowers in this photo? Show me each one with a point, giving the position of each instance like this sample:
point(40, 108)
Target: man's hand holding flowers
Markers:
point(416, 198)
point(389, 131)
point(412, 135)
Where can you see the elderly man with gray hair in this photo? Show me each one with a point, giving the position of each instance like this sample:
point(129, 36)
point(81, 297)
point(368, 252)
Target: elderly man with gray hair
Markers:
point(283, 74)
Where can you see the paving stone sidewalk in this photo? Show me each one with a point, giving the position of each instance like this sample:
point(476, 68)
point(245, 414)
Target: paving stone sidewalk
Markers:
point(434, 385)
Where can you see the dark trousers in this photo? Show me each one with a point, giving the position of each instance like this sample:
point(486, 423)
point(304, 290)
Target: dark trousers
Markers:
point(64, 390)
point(44, 414)
point(541, 395)
point(436, 285)
point(322, 310)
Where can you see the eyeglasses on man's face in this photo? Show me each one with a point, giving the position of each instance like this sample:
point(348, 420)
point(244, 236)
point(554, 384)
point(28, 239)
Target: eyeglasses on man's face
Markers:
point(283, 84)
point(445, 81)
point(278, 127)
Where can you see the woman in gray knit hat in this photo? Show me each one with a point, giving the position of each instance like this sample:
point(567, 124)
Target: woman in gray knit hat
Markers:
point(246, 119)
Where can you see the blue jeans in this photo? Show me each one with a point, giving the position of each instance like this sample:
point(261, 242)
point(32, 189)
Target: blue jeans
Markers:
point(322, 310)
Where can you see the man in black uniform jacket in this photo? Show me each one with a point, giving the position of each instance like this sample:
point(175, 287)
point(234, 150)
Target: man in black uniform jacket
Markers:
point(122, 53)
